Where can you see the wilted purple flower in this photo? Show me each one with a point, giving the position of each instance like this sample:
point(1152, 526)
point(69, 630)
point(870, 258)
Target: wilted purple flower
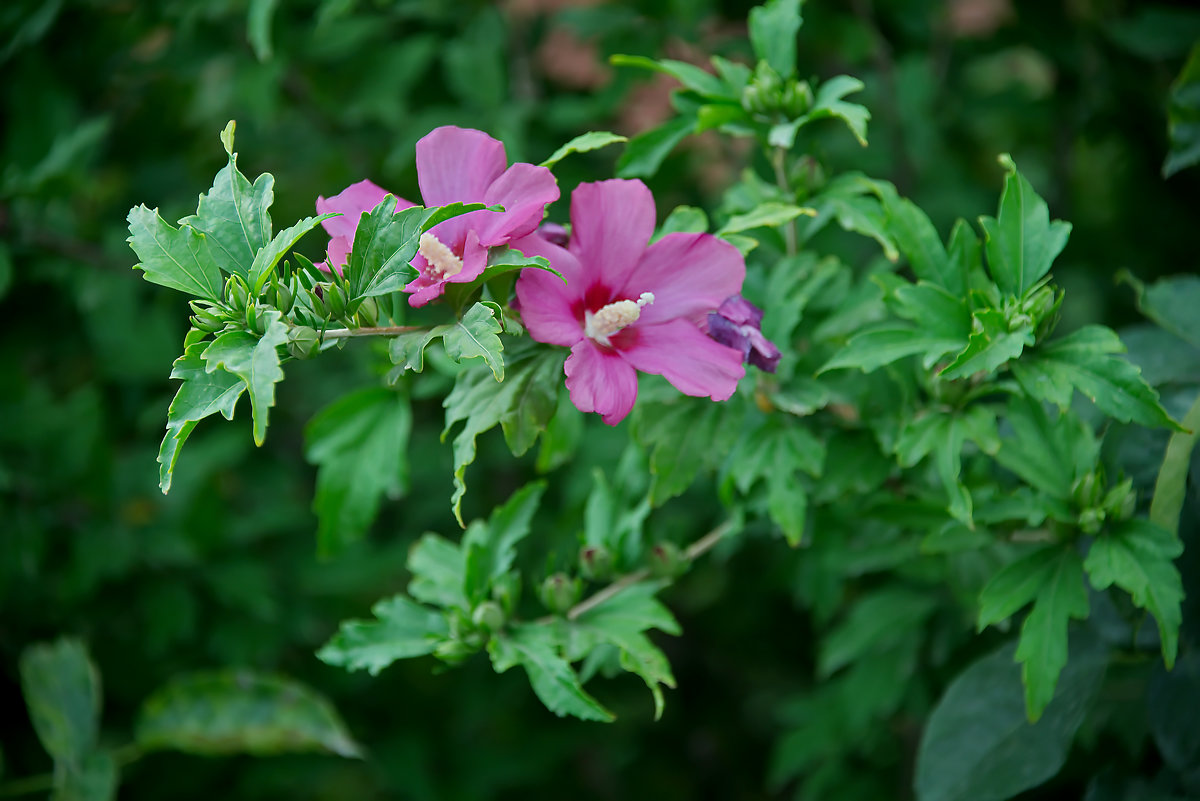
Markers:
point(738, 323)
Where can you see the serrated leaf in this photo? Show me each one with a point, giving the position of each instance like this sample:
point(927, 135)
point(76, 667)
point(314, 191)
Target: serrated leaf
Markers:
point(1049, 455)
point(61, 686)
point(241, 712)
point(475, 336)
point(875, 623)
point(773, 29)
point(1016, 585)
point(1042, 649)
point(592, 140)
point(991, 345)
point(621, 621)
point(438, 569)
point(775, 453)
point(1172, 303)
point(918, 240)
point(829, 103)
point(1021, 242)
point(201, 394)
point(234, 216)
point(1138, 557)
point(1183, 117)
point(177, 258)
point(490, 548)
point(535, 648)
point(267, 257)
point(766, 215)
point(645, 152)
point(862, 215)
point(402, 629)
point(883, 343)
point(683, 437)
point(692, 77)
point(978, 744)
point(358, 444)
point(521, 404)
point(255, 361)
point(943, 435)
point(1086, 360)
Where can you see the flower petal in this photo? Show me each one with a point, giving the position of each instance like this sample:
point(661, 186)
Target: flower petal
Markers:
point(337, 254)
point(611, 222)
point(600, 381)
point(457, 164)
point(524, 190)
point(425, 287)
point(681, 353)
point(351, 202)
point(547, 304)
point(689, 274)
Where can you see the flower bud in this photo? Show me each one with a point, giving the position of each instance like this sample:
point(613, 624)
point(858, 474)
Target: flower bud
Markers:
point(489, 616)
point(303, 342)
point(318, 305)
point(236, 293)
point(595, 562)
point(1091, 520)
point(506, 591)
point(280, 296)
point(255, 321)
point(206, 321)
point(335, 299)
point(560, 592)
point(667, 561)
point(368, 312)
point(797, 99)
point(453, 652)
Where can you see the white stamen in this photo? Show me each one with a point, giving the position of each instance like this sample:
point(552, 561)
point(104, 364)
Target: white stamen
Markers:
point(610, 319)
point(442, 261)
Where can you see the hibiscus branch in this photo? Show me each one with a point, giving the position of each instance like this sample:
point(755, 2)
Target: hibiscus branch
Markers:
point(693, 552)
point(778, 157)
point(371, 331)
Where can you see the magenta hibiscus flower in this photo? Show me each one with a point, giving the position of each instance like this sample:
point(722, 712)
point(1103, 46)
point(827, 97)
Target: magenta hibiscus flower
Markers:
point(463, 165)
point(351, 202)
point(629, 306)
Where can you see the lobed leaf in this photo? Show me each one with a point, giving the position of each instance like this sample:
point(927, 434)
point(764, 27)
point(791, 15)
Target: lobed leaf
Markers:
point(255, 360)
point(1042, 649)
point(268, 256)
point(773, 29)
point(535, 648)
point(178, 258)
point(402, 629)
point(1021, 242)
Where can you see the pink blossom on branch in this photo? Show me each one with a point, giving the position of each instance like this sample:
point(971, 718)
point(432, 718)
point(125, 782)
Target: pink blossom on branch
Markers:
point(630, 306)
point(468, 166)
point(351, 203)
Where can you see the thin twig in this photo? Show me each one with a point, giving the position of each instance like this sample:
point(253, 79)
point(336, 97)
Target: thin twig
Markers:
point(376, 331)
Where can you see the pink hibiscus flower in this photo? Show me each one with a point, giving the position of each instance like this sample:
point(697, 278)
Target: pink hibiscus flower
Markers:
point(629, 306)
point(453, 165)
point(468, 166)
point(351, 203)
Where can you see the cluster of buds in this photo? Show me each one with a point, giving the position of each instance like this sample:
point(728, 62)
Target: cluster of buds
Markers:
point(770, 97)
point(1097, 504)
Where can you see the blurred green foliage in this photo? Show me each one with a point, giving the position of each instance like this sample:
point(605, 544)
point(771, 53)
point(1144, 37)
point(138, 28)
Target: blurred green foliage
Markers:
point(110, 103)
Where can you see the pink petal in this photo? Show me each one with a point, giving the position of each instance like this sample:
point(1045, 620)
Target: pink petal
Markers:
point(689, 274)
point(524, 190)
point(338, 254)
point(474, 258)
point(600, 381)
point(611, 222)
point(425, 288)
point(351, 202)
point(457, 164)
point(679, 352)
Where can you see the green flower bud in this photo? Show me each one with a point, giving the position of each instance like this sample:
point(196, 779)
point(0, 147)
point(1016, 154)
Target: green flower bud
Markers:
point(560, 592)
point(489, 616)
point(368, 312)
point(506, 591)
point(461, 626)
point(303, 342)
point(236, 293)
point(1088, 490)
point(318, 305)
point(1119, 499)
point(667, 561)
point(797, 99)
point(595, 562)
point(255, 320)
point(1091, 520)
point(206, 321)
point(453, 652)
point(335, 299)
point(280, 296)
point(752, 99)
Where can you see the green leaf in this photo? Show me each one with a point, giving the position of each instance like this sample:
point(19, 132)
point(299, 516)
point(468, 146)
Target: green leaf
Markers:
point(438, 569)
point(918, 240)
point(259, 27)
point(592, 140)
point(692, 77)
point(1171, 703)
point(535, 648)
point(828, 103)
point(876, 623)
point(1137, 556)
point(775, 453)
point(474, 336)
point(620, 621)
point(773, 29)
point(645, 152)
point(1021, 242)
point(227, 712)
point(233, 215)
point(861, 215)
point(521, 404)
point(684, 436)
point(1183, 117)
point(178, 258)
point(1172, 303)
point(978, 745)
point(935, 309)
point(201, 394)
point(766, 215)
point(1170, 488)
point(401, 630)
point(683, 219)
point(1015, 585)
point(883, 343)
point(1085, 360)
point(255, 361)
point(269, 256)
point(990, 345)
point(943, 435)
point(62, 690)
point(94, 780)
point(614, 520)
point(490, 548)
point(1042, 650)
point(358, 444)
point(1047, 454)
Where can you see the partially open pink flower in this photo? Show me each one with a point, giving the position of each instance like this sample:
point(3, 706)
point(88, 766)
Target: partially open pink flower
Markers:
point(468, 166)
point(351, 202)
point(629, 306)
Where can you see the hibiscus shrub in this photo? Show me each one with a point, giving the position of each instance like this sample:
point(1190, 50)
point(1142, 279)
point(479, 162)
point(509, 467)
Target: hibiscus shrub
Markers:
point(972, 505)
